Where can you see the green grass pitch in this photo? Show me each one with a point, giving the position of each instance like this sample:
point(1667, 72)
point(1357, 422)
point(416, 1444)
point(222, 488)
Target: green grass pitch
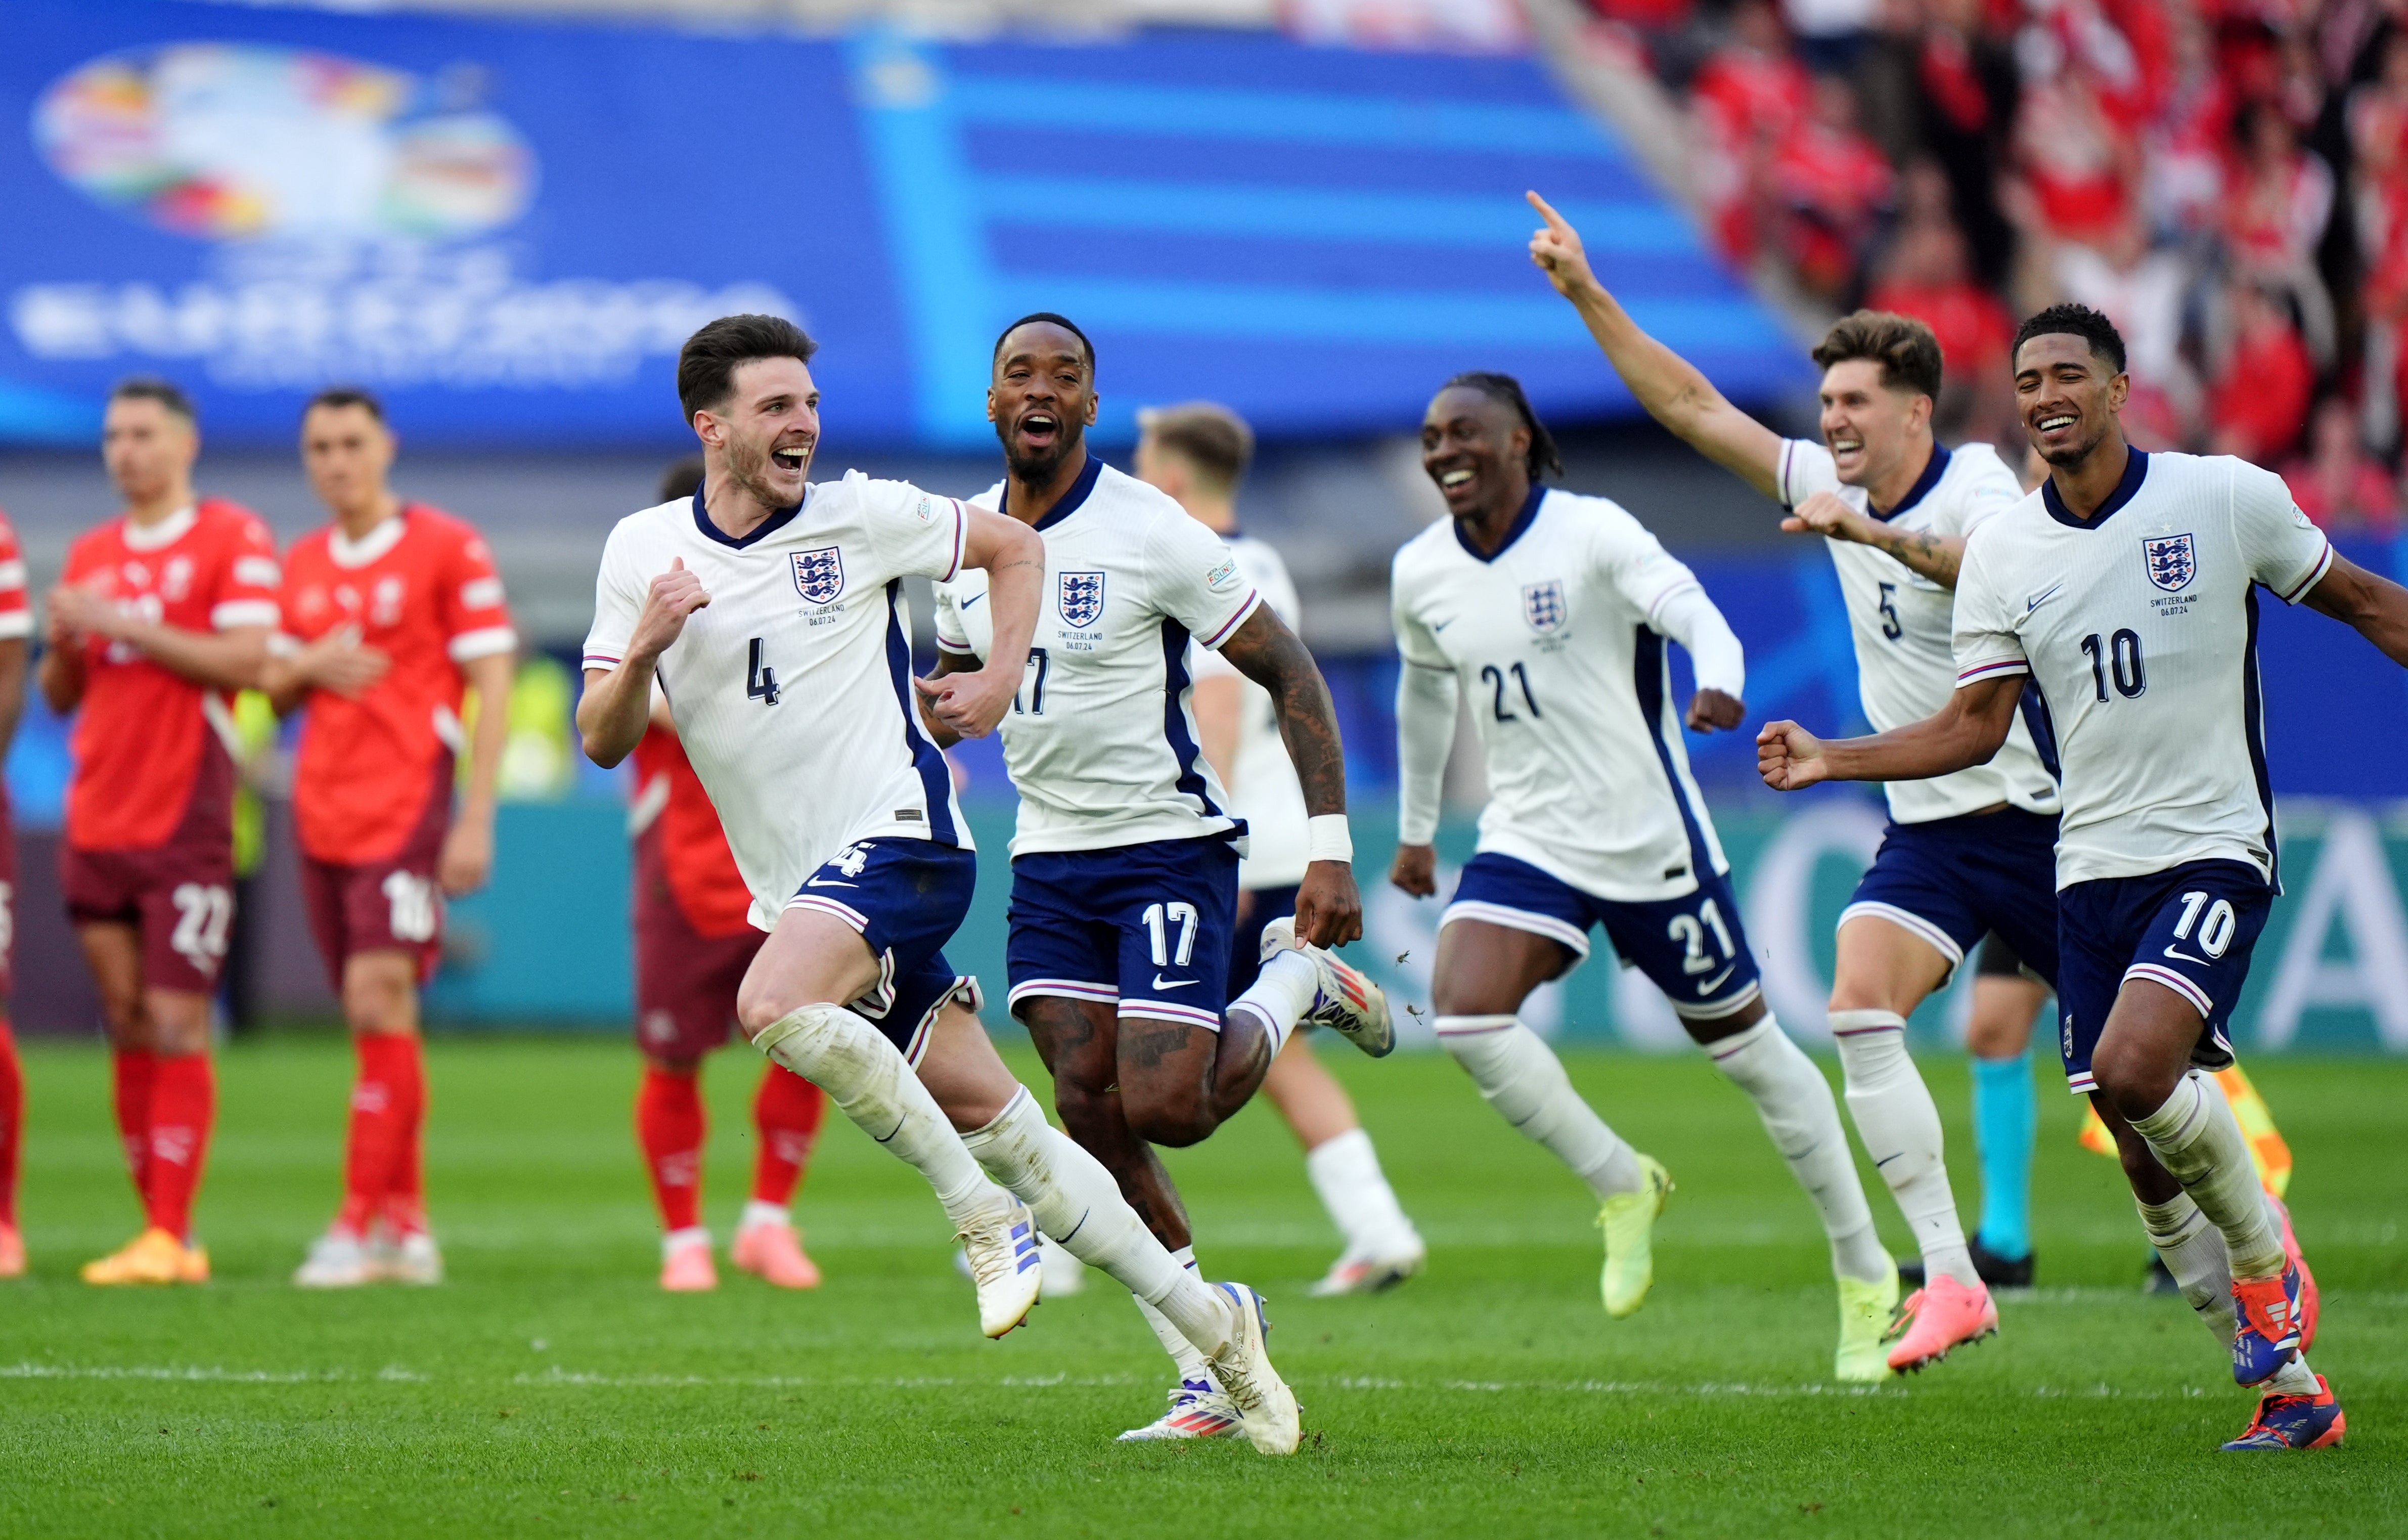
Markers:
point(551, 1389)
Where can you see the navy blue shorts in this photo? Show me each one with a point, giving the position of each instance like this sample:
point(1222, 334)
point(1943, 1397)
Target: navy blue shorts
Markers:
point(907, 898)
point(2189, 929)
point(1145, 928)
point(1258, 907)
point(1693, 947)
point(1952, 879)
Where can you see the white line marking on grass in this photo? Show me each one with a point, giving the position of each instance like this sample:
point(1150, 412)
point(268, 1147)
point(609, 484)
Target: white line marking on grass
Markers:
point(197, 1373)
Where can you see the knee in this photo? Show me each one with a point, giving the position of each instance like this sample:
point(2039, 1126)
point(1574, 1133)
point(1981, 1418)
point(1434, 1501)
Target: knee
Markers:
point(1086, 1111)
point(1163, 1115)
point(759, 1007)
point(2133, 1085)
point(380, 1003)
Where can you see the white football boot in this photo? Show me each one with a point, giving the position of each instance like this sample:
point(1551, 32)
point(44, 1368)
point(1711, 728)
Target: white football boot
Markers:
point(1346, 1001)
point(1266, 1408)
point(1198, 1410)
point(1005, 1263)
point(336, 1261)
point(412, 1260)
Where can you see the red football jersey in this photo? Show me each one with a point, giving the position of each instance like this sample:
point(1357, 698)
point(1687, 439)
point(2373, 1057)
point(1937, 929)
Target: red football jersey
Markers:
point(143, 730)
point(703, 878)
point(423, 590)
point(15, 614)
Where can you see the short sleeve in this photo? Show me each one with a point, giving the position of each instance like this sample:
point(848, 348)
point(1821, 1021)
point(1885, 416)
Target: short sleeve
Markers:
point(618, 600)
point(249, 579)
point(1195, 578)
point(1805, 469)
point(1987, 643)
point(15, 614)
point(1990, 495)
point(953, 635)
point(2279, 546)
point(919, 534)
point(475, 621)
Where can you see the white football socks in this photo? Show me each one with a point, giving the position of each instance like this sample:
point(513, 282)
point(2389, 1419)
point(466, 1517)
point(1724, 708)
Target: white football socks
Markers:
point(1280, 994)
point(1345, 1171)
point(1181, 1348)
point(758, 1214)
point(1076, 1201)
point(1901, 1128)
point(871, 1084)
point(1795, 1103)
point(2193, 1251)
point(1524, 1080)
point(2198, 1141)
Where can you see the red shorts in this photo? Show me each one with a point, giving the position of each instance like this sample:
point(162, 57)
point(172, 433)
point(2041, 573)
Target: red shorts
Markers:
point(178, 892)
point(685, 980)
point(392, 905)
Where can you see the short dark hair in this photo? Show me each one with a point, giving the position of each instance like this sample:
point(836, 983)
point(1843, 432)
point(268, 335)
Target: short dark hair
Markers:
point(1052, 319)
point(151, 387)
point(1208, 436)
point(1908, 354)
point(1542, 458)
point(338, 396)
point(682, 479)
point(707, 364)
point(2080, 321)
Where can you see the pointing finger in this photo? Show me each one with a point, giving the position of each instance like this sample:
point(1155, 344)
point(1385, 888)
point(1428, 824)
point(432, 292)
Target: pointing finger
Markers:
point(1547, 212)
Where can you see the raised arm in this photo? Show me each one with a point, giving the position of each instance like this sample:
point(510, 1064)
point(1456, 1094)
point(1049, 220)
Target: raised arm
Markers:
point(2375, 607)
point(969, 702)
point(618, 701)
point(1328, 907)
point(1965, 732)
point(1933, 556)
point(1670, 387)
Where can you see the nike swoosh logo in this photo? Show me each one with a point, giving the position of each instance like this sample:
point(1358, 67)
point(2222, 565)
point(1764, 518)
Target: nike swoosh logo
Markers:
point(816, 882)
point(1440, 625)
point(971, 601)
point(2042, 597)
point(1161, 983)
point(1886, 1160)
point(1715, 983)
point(2185, 956)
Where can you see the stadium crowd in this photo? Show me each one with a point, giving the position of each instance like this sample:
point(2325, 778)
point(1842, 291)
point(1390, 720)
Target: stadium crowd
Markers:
point(2227, 180)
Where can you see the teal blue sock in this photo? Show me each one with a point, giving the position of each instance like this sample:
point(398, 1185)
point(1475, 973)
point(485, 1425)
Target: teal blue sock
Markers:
point(2006, 1118)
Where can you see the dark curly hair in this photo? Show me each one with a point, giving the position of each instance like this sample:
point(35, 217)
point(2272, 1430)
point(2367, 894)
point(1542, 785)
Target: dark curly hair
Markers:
point(1542, 460)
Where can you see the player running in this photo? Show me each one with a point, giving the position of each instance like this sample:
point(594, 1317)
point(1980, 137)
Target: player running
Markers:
point(1963, 855)
point(159, 617)
point(2127, 590)
point(1197, 453)
point(1553, 610)
point(694, 941)
point(16, 625)
point(1123, 863)
point(391, 614)
point(770, 611)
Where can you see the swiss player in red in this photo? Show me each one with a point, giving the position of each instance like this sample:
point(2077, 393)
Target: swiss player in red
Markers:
point(16, 625)
point(161, 616)
point(693, 944)
point(391, 614)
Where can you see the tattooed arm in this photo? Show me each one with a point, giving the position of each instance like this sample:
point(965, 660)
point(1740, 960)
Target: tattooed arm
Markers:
point(1935, 556)
point(1328, 908)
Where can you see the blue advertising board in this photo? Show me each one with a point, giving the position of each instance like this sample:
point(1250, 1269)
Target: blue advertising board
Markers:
point(508, 228)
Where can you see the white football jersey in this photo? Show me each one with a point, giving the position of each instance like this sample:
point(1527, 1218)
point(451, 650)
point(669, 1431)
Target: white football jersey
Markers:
point(1101, 739)
point(2141, 628)
point(792, 688)
point(1900, 620)
point(1571, 688)
point(1268, 795)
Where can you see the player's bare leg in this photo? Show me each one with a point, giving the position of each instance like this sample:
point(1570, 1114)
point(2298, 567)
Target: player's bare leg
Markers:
point(381, 1231)
point(2145, 1078)
point(165, 1098)
point(1382, 1247)
point(1884, 972)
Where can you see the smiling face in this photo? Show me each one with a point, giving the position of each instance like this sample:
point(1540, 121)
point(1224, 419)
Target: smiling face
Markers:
point(1870, 427)
point(147, 449)
point(1041, 400)
point(2066, 396)
point(765, 433)
point(1477, 451)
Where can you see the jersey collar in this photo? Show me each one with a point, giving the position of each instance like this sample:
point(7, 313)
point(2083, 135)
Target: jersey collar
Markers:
point(349, 553)
point(767, 527)
point(1933, 470)
point(2136, 469)
point(1521, 523)
point(1071, 502)
point(166, 532)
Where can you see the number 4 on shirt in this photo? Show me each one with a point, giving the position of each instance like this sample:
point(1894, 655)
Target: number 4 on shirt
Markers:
point(760, 680)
